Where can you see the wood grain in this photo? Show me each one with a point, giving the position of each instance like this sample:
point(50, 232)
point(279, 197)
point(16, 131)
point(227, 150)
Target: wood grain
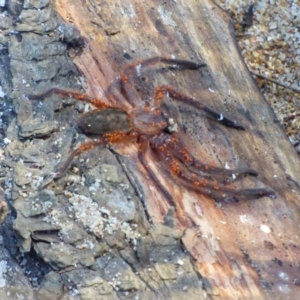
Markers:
point(230, 247)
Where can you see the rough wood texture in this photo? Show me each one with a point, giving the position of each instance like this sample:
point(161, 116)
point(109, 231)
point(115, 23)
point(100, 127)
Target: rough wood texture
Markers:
point(231, 249)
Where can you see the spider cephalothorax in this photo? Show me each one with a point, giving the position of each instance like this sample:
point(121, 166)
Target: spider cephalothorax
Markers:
point(145, 124)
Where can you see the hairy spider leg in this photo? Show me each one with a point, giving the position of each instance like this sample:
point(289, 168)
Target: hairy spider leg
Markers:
point(109, 138)
point(185, 64)
point(180, 173)
point(153, 177)
point(98, 103)
point(113, 92)
point(161, 91)
point(143, 148)
point(129, 70)
point(178, 149)
point(183, 218)
point(178, 205)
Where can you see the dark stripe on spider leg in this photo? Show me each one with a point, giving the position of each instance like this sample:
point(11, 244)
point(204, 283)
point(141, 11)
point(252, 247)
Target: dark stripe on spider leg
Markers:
point(198, 183)
point(60, 92)
point(81, 148)
point(127, 80)
point(132, 68)
point(180, 151)
point(214, 188)
point(126, 76)
point(166, 194)
point(220, 118)
point(183, 63)
point(40, 95)
point(131, 94)
point(187, 64)
point(217, 189)
point(71, 94)
point(62, 169)
point(259, 192)
point(192, 102)
point(131, 178)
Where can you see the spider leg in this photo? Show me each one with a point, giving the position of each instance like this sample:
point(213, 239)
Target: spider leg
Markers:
point(178, 149)
point(163, 90)
point(178, 204)
point(180, 173)
point(142, 149)
point(71, 94)
point(109, 138)
point(114, 94)
point(129, 70)
point(185, 64)
point(124, 81)
point(82, 148)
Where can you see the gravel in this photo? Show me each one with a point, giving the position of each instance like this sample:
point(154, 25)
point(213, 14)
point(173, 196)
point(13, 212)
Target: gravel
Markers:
point(271, 48)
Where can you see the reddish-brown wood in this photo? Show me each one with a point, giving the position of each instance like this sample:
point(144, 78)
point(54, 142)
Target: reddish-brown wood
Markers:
point(248, 249)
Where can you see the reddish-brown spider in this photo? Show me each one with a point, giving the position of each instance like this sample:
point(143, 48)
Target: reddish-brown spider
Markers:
point(145, 124)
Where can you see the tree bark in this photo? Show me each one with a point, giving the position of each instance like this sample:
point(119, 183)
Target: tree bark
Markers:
point(241, 249)
point(247, 249)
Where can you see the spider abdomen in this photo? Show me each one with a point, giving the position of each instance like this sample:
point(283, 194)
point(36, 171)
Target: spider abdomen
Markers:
point(108, 120)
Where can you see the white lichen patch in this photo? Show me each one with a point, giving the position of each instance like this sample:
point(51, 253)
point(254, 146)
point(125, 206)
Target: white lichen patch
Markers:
point(99, 219)
point(6, 141)
point(87, 244)
point(66, 226)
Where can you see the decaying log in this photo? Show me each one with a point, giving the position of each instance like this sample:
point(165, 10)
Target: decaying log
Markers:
point(230, 246)
point(247, 249)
